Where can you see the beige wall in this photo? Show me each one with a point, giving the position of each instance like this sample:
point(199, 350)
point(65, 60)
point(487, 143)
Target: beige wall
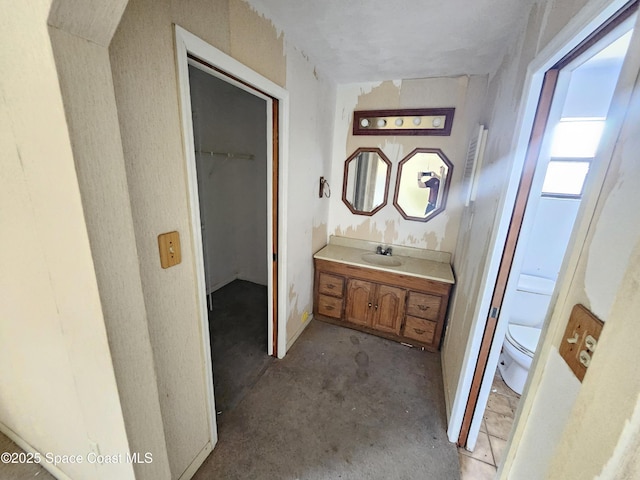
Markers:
point(145, 81)
point(312, 99)
point(464, 93)
point(85, 78)
point(58, 388)
point(479, 219)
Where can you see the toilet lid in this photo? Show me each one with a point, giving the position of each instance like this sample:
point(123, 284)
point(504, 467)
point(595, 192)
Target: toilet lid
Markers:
point(525, 337)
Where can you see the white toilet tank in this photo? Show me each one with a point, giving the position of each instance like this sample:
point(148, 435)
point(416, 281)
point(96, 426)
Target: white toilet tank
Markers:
point(531, 300)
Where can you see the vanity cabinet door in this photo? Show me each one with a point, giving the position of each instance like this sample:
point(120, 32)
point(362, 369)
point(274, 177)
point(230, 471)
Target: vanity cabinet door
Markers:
point(359, 302)
point(389, 309)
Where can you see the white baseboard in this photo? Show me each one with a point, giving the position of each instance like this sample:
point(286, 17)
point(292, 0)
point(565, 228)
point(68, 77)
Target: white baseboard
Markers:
point(447, 405)
point(295, 336)
point(197, 462)
point(24, 445)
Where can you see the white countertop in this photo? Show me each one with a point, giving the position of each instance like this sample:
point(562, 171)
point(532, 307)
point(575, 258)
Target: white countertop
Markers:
point(409, 265)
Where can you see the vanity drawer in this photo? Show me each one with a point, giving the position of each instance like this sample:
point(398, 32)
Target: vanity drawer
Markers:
point(419, 329)
point(423, 305)
point(330, 285)
point(329, 306)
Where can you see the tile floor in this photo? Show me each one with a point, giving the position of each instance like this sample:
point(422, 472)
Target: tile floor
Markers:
point(481, 464)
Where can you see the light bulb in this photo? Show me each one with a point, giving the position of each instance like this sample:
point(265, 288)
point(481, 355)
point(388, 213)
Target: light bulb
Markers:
point(365, 122)
point(436, 122)
point(417, 121)
point(382, 122)
point(399, 122)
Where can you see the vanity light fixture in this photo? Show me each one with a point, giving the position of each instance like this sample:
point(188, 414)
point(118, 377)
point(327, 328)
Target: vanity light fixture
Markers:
point(417, 121)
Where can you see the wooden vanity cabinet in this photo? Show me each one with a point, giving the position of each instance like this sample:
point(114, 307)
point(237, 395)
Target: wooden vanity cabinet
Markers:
point(392, 305)
point(380, 307)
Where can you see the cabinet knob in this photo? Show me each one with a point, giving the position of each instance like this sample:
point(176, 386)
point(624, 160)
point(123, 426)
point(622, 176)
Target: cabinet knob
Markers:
point(376, 307)
point(418, 331)
point(423, 307)
point(369, 304)
point(331, 286)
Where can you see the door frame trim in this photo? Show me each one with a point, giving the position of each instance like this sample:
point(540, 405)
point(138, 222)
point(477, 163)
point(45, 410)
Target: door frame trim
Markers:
point(508, 252)
point(583, 24)
point(188, 44)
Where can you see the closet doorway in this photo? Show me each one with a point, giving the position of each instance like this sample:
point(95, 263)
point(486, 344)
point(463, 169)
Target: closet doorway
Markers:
point(237, 121)
point(230, 139)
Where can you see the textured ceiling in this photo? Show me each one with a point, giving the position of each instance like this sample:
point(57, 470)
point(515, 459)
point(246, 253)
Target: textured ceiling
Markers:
point(369, 40)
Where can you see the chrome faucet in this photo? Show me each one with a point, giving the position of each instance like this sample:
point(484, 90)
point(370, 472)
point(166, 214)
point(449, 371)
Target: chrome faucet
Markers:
point(380, 250)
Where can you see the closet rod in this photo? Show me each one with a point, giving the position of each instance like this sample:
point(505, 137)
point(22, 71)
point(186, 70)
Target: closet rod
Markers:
point(244, 156)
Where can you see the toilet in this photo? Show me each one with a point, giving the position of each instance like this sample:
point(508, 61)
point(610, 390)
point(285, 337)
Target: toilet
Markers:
point(529, 308)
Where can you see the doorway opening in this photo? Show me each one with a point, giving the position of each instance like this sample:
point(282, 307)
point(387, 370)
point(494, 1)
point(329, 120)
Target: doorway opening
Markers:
point(230, 138)
point(224, 167)
point(559, 170)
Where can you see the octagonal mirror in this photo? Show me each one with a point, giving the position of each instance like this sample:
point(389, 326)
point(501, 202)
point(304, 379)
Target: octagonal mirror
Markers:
point(422, 184)
point(366, 181)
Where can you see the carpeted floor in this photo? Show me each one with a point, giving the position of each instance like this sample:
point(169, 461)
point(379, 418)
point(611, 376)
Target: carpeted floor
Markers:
point(19, 471)
point(238, 333)
point(341, 405)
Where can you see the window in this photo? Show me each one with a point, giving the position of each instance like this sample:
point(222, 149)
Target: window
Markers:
point(577, 137)
point(565, 178)
point(575, 142)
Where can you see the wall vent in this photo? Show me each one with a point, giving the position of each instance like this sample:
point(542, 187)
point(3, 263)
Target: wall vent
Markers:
point(473, 165)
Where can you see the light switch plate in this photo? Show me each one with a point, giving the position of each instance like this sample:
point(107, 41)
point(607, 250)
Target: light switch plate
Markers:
point(582, 323)
point(169, 245)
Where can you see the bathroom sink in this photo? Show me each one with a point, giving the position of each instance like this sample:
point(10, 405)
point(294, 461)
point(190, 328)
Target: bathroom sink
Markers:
point(381, 260)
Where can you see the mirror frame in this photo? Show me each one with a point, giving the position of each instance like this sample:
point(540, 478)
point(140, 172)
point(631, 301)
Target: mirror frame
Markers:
point(346, 174)
point(445, 189)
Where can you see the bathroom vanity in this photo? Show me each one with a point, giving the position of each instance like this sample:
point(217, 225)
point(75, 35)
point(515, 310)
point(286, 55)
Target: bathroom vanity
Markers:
point(402, 297)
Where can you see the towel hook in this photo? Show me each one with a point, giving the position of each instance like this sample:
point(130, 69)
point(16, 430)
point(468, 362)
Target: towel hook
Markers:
point(325, 188)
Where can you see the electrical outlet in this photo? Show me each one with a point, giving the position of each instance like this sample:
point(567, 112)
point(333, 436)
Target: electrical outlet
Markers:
point(305, 316)
point(580, 340)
